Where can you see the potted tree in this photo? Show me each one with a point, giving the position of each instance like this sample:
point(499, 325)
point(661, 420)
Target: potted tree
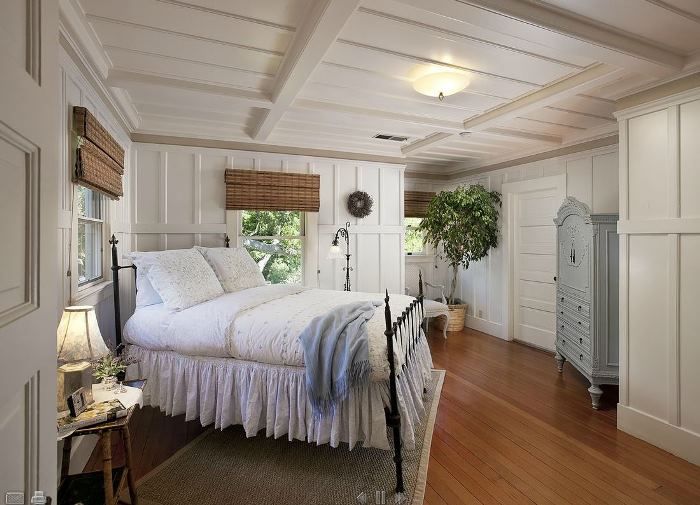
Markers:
point(465, 223)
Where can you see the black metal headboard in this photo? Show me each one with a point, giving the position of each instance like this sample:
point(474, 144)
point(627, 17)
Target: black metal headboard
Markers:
point(115, 287)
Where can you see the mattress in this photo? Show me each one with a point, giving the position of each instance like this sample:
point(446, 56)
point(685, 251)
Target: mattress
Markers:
point(260, 324)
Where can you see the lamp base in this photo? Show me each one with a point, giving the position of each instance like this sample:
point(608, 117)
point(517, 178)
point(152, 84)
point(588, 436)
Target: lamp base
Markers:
point(70, 378)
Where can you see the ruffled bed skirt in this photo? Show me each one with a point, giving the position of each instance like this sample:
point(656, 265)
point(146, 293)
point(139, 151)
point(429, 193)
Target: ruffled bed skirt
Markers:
point(227, 391)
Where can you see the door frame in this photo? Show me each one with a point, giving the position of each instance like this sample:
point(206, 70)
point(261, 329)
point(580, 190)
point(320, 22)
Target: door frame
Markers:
point(510, 193)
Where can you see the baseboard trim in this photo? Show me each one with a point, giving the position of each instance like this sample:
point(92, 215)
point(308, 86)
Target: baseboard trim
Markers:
point(484, 326)
point(674, 439)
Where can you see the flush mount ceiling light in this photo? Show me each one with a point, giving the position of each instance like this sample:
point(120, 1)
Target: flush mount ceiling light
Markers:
point(441, 84)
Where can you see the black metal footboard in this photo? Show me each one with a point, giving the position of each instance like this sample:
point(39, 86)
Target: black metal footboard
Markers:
point(402, 336)
point(405, 333)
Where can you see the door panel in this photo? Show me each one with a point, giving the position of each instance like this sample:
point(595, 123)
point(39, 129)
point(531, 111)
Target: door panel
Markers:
point(29, 165)
point(534, 204)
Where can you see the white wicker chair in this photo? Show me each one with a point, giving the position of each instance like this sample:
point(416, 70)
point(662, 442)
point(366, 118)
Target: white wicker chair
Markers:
point(434, 308)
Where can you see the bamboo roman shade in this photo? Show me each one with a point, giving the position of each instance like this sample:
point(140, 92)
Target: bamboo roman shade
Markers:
point(99, 161)
point(415, 203)
point(259, 190)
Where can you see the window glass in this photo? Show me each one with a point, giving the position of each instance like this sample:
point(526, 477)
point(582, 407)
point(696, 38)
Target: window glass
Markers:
point(413, 238)
point(275, 240)
point(90, 209)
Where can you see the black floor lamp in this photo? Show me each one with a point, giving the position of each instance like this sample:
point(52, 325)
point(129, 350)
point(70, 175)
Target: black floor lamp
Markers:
point(337, 253)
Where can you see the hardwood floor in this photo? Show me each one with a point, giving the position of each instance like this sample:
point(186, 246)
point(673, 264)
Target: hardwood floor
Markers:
point(509, 429)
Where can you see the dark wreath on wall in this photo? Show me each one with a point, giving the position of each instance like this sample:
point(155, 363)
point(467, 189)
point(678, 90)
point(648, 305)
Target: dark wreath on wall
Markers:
point(360, 204)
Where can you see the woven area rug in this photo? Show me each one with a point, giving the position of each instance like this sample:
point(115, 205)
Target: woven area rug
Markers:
point(226, 467)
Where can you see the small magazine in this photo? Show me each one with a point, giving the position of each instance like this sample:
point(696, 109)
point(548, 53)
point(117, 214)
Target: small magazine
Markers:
point(96, 413)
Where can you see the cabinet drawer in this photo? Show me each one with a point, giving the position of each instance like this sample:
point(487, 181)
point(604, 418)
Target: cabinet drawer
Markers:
point(573, 353)
point(573, 304)
point(573, 338)
point(577, 322)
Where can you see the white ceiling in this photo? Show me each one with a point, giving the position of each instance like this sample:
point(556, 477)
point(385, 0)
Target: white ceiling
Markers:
point(330, 74)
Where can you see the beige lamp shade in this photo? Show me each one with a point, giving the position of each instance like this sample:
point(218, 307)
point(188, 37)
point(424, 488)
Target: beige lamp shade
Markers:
point(78, 336)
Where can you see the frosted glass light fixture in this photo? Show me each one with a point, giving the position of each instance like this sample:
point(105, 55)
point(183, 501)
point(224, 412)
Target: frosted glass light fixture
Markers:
point(441, 84)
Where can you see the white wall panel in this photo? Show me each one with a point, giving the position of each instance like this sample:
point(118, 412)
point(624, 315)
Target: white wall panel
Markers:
point(326, 214)
point(147, 176)
point(606, 184)
point(659, 274)
point(212, 191)
point(392, 198)
point(579, 179)
point(369, 182)
point(690, 158)
point(180, 188)
point(648, 162)
point(648, 283)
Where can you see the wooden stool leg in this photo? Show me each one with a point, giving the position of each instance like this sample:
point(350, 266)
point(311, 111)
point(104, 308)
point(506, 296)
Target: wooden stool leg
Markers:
point(106, 439)
point(129, 468)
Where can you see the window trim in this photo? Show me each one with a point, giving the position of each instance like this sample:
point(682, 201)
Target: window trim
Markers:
point(80, 292)
point(303, 237)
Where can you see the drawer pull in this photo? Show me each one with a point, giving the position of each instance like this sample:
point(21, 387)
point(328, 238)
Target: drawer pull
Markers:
point(579, 322)
point(580, 340)
point(562, 298)
point(561, 312)
point(580, 357)
point(563, 342)
point(579, 308)
point(562, 326)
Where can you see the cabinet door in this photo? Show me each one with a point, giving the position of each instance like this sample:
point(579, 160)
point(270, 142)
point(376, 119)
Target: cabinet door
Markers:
point(574, 240)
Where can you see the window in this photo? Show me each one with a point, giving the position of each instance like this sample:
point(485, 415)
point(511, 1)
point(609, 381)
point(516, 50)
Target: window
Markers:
point(275, 240)
point(90, 209)
point(413, 238)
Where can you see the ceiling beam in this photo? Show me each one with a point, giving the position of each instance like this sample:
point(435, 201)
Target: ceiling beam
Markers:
point(552, 93)
point(119, 78)
point(400, 117)
point(560, 29)
point(595, 75)
point(520, 134)
point(431, 140)
point(321, 27)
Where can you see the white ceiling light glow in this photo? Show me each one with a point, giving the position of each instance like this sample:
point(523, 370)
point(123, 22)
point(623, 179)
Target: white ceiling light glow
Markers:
point(441, 84)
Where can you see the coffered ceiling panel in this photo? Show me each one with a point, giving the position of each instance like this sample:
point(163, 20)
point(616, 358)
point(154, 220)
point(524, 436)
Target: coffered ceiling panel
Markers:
point(331, 74)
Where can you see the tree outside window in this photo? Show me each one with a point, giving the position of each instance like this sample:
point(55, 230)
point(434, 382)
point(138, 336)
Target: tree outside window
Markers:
point(90, 210)
point(275, 240)
point(413, 237)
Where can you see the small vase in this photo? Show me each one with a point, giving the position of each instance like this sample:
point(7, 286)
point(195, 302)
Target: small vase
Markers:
point(110, 382)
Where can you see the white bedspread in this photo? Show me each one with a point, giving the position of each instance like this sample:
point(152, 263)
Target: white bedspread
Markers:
point(260, 324)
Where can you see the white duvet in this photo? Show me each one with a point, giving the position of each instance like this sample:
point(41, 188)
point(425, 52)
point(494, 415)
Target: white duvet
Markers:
point(258, 324)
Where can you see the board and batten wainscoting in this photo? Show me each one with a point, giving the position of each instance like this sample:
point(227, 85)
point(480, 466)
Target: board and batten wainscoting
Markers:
point(591, 177)
point(178, 200)
point(660, 273)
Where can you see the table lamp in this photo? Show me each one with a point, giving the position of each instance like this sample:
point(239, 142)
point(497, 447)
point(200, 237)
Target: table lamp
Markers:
point(79, 342)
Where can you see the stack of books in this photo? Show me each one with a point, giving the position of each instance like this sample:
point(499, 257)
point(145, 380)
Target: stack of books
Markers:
point(95, 413)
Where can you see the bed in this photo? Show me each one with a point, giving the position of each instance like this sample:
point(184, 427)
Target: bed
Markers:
point(236, 360)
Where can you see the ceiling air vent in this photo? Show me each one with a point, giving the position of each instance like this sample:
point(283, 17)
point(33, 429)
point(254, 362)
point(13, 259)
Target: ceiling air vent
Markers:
point(395, 138)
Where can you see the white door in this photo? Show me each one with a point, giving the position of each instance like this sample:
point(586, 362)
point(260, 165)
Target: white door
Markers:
point(29, 165)
point(532, 205)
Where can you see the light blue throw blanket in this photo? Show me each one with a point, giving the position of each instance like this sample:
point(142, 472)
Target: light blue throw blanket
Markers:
point(336, 355)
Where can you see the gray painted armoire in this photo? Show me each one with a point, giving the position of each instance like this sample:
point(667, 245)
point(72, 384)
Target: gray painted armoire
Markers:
point(587, 294)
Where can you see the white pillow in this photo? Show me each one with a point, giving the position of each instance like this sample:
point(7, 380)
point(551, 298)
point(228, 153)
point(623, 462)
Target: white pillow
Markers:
point(234, 267)
point(145, 294)
point(183, 278)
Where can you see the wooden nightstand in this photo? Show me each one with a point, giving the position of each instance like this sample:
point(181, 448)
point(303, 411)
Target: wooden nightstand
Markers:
point(103, 487)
